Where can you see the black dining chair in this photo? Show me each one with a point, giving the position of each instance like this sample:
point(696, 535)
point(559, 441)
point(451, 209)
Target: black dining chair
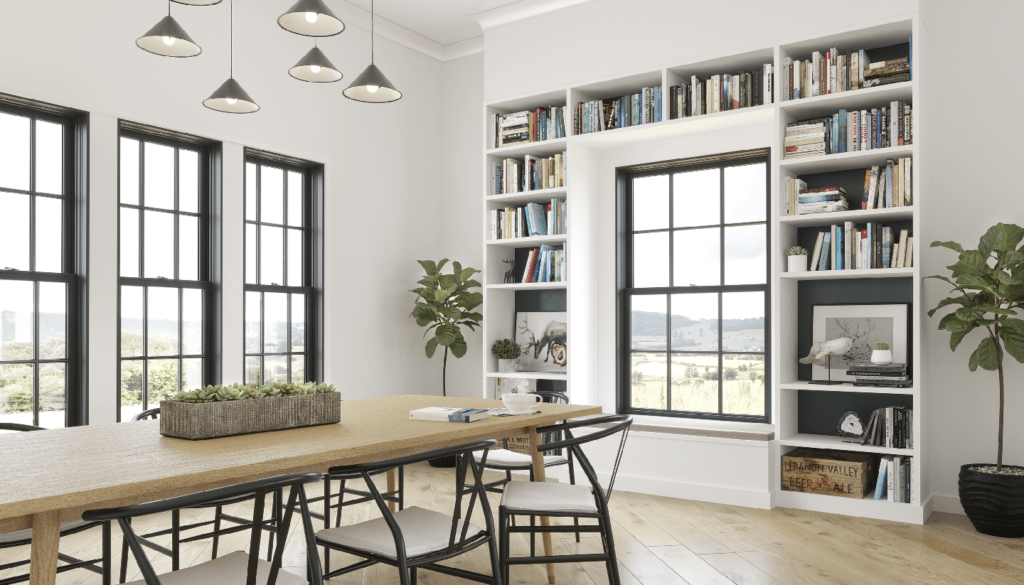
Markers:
point(219, 517)
point(522, 498)
point(236, 568)
point(100, 566)
point(418, 538)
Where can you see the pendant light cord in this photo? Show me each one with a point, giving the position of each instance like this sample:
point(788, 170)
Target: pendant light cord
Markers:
point(372, 22)
point(231, 51)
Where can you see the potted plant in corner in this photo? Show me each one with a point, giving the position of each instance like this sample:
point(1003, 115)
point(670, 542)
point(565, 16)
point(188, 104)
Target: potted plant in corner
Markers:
point(506, 350)
point(989, 283)
point(797, 259)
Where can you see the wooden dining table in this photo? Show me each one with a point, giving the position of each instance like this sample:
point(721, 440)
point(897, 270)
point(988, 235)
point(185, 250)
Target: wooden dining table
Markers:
point(53, 476)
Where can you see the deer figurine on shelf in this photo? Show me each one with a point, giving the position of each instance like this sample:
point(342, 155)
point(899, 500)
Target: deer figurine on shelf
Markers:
point(510, 277)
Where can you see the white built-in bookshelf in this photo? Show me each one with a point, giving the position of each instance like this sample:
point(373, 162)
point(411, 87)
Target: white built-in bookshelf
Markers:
point(580, 240)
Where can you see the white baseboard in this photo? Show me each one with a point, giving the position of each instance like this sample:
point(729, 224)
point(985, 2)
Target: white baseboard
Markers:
point(693, 491)
point(947, 504)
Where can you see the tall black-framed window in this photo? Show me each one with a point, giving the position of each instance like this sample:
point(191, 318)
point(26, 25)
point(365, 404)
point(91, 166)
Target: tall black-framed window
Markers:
point(42, 202)
point(283, 268)
point(694, 296)
point(167, 317)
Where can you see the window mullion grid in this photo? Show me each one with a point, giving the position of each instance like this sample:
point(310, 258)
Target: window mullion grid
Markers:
point(262, 348)
point(176, 260)
point(288, 337)
point(259, 241)
point(145, 348)
point(142, 210)
point(721, 259)
point(35, 352)
point(668, 297)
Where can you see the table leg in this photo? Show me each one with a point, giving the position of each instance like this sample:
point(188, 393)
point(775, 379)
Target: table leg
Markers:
point(45, 542)
point(539, 475)
point(391, 487)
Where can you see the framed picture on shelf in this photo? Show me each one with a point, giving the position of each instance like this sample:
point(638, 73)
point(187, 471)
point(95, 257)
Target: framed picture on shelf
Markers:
point(543, 337)
point(866, 325)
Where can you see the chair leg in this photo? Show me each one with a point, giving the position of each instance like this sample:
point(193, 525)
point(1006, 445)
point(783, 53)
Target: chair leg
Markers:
point(533, 538)
point(503, 531)
point(124, 557)
point(341, 502)
point(412, 575)
point(175, 540)
point(276, 517)
point(572, 481)
point(401, 488)
point(216, 528)
point(613, 563)
point(493, 547)
point(327, 522)
point(106, 553)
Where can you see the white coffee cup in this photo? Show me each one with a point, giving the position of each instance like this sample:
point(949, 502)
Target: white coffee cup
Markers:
point(520, 402)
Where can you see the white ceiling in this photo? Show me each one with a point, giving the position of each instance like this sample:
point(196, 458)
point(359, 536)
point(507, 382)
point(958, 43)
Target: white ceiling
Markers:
point(443, 29)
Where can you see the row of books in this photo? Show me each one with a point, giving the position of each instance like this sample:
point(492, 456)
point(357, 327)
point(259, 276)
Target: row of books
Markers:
point(847, 247)
point(621, 112)
point(529, 126)
point(532, 219)
point(512, 175)
point(838, 71)
point(720, 93)
point(850, 131)
point(893, 375)
point(545, 264)
point(891, 427)
point(884, 187)
point(896, 480)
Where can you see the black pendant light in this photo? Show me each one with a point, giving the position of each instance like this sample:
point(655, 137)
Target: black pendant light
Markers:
point(315, 67)
point(230, 98)
point(311, 18)
point(372, 86)
point(168, 39)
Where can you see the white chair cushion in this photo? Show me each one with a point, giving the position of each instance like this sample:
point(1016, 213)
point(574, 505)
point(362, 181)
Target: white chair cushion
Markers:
point(549, 497)
point(226, 570)
point(504, 458)
point(27, 533)
point(425, 531)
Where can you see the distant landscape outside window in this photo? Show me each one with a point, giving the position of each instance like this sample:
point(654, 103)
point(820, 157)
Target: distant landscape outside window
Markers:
point(698, 292)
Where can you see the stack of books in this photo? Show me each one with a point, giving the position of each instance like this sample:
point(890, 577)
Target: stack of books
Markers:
point(526, 126)
point(801, 200)
point(838, 70)
point(848, 247)
point(445, 414)
point(545, 264)
point(532, 219)
point(643, 107)
point(720, 93)
point(896, 480)
point(530, 174)
point(887, 375)
point(805, 138)
point(891, 427)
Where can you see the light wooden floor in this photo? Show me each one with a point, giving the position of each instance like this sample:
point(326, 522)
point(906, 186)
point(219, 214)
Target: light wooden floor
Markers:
point(663, 541)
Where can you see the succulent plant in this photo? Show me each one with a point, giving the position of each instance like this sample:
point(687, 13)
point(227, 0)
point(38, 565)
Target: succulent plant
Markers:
point(250, 392)
point(506, 349)
point(797, 251)
point(881, 346)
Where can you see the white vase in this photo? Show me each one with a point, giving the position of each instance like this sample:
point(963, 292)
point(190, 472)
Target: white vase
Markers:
point(506, 366)
point(881, 356)
point(798, 263)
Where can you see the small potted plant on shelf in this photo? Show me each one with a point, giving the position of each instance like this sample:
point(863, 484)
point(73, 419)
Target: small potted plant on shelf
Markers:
point(506, 350)
point(881, 354)
point(797, 259)
point(989, 287)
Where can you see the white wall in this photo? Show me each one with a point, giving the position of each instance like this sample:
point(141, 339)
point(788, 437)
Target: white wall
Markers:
point(383, 162)
point(462, 207)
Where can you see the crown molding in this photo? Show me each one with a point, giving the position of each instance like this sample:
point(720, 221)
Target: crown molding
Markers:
point(520, 10)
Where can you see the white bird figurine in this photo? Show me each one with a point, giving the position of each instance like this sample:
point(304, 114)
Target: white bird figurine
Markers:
point(837, 346)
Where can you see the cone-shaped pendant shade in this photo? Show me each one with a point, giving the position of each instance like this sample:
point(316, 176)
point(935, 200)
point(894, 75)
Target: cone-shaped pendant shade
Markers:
point(311, 18)
point(231, 99)
point(315, 67)
point(167, 38)
point(197, 2)
point(373, 87)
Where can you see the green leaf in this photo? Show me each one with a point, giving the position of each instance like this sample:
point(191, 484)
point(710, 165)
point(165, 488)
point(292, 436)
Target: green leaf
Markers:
point(459, 347)
point(473, 316)
point(1001, 237)
point(440, 265)
point(428, 329)
point(428, 266)
point(1009, 258)
point(952, 323)
point(471, 283)
point(1013, 343)
point(452, 313)
point(971, 262)
point(466, 273)
point(473, 300)
point(969, 313)
point(431, 346)
point(448, 281)
point(1015, 325)
point(972, 281)
point(424, 321)
point(951, 245)
point(441, 295)
point(990, 308)
point(956, 337)
point(446, 334)
point(946, 302)
point(985, 356)
point(457, 271)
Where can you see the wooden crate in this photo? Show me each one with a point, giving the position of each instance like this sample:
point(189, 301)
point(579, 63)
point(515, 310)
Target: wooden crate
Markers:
point(832, 473)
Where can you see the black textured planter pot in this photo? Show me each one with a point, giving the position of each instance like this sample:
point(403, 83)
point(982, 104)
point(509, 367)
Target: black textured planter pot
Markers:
point(994, 503)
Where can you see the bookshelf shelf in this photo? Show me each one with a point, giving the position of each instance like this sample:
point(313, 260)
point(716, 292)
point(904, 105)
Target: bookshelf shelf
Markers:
point(530, 242)
point(846, 161)
point(851, 100)
point(839, 443)
point(867, 507)
point(855, 215)
point(529, 286)
point(677, 127)
point(538, 149)
point(529, 375)
point(848, 274)
point(540, 195)
point(804, 385)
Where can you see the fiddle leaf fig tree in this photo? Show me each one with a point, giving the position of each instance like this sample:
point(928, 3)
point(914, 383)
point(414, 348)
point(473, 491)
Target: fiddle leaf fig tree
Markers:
point(445, 304)
point(989, 287)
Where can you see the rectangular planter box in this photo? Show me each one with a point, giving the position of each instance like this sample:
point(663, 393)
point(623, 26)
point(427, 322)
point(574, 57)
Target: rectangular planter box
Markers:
point(209, 420)
point(831, 473)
